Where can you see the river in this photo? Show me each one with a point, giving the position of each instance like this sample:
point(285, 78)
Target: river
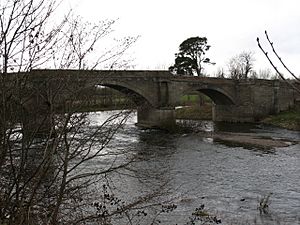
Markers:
point(229, 179)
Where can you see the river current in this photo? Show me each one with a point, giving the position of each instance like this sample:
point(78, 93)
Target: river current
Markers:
point(229, 179)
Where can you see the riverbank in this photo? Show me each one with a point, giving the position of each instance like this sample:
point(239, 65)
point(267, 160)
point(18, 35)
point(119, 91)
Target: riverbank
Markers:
point(288, 119)
point(194, 112)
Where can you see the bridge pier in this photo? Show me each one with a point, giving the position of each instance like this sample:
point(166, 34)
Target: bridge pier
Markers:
point(149, 117)
point(233, 113)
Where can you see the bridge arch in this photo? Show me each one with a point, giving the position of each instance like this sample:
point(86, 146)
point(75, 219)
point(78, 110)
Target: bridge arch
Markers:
point(136, 95)
point(216, 94)
point(149, 114)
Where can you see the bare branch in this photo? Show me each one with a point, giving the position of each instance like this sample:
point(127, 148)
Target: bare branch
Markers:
point(275, 68)
point(272, 45)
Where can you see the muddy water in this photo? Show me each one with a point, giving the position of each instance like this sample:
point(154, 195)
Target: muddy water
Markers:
point(228, 178)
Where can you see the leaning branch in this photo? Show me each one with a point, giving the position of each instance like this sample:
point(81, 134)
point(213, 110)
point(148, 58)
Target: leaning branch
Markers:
point(266, 54)
point(272, 45)
point(275, 68)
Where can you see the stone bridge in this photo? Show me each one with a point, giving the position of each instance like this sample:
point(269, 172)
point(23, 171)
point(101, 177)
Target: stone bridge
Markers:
point(157, 93)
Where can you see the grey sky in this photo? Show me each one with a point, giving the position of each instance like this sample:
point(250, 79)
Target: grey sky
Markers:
point(231, 27)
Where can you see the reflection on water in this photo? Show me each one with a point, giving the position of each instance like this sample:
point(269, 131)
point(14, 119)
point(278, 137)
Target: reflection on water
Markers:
point(227, 179)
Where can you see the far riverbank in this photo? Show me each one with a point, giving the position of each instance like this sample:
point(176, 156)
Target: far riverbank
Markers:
point(288, 119)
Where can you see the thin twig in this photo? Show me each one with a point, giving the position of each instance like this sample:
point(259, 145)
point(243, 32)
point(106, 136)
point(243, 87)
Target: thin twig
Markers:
point(272, 45)
point(275, 68)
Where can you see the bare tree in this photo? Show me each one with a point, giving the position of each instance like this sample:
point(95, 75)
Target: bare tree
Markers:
point(220, 73)
point(265, 74)
point(80, 46)
point(241, 65)
point(45, 176)
point(234, 68)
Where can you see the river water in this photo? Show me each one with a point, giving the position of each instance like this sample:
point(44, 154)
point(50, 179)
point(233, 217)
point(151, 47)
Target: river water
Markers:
point(229, 179)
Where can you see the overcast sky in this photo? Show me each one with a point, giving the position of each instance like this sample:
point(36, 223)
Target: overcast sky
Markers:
point(231, 27)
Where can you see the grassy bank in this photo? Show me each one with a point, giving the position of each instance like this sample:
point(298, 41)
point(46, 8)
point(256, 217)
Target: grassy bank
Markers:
point(195, 107)
point(288, 119)
point(194, 112)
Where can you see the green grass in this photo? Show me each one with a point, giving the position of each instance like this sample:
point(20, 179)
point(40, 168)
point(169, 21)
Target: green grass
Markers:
point(189, 98)
point(194, 99)
point(288, 119)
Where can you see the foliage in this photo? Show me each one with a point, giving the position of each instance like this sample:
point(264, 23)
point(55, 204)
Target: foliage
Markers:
point(191, 56)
